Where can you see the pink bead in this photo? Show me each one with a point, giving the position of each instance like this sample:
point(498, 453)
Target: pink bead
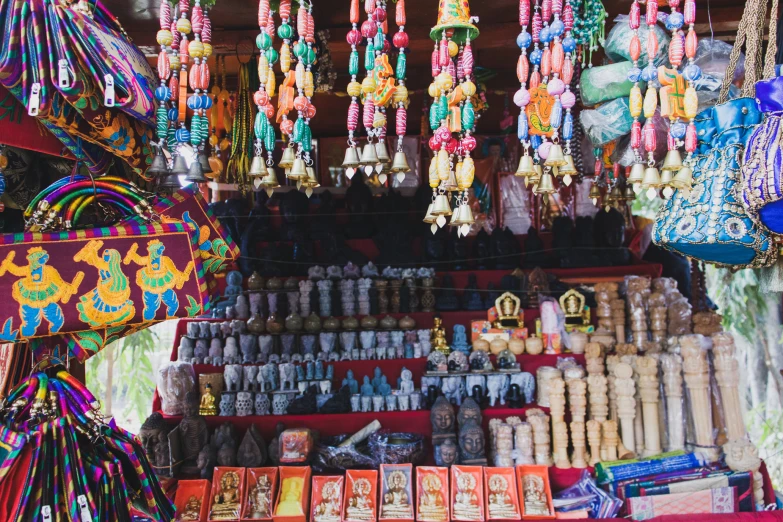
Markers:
point(443, 133)
point(557, 7)
point(176, 36)
point(197, 19)
point(174, 83)
point(557, 57)
point(206, 31)
point(690, 12)
point(270, 27)
point(301, 21)
point(651, 16)
point(524, 13)
point(652, 45)
point(546, 62)
point(434, 63)
point(368, 114)
point(369, 7)
point(568, 16)
point(690, 138)
point(401, 17)
point(635, 49)
point(676, 49)
point(650, 139)
point(353, 116)
point(382, 132)
point(634, 17)
point(285, 9)
point(354, 14)
point(400, 40)
point(401, 121)
point(369, 28)
point(452, 68)
point(164, 67)
point(310, 35)
point(691, 44)
point(568, 99)
point(354, 37)
point(386, 46)
point(670, 143)
point(523, 68)
point(380, 14)
point(521, 97)
point(468, 143)
point(568, 72)
point(467, 60)
point(674, 4)
point(537, 25)
point(460, 67)
point(535, 80)
point(184, 6)
point(546, 10)
point(451, 145)
point(165, 14)
point(636, 134)
point(443, 53)
point(434, 143)
point(543, 149)
point(555, 87)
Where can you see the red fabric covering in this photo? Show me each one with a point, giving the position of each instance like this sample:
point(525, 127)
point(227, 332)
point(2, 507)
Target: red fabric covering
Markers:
point(17, 129)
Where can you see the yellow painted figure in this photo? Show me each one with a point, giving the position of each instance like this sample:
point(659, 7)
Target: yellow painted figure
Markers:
point(109, 303)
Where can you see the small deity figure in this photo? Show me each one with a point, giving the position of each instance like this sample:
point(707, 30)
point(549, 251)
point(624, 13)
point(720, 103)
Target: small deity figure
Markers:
point(442, 419)
point(207, 406)
point(432, 507)
point(466, 503)
point(367, 389)
point(349, 381)
point(192, 510)
point(460, 340)
point(535, 495)
point(471, 444)
point(226, 505)
point(396, 502)
point(500, 505)
point(360, 505)
point(260, 498)
point(406, 382)
point(329, 508)
point(446, 454)
point(438, 336)
point(291, 497)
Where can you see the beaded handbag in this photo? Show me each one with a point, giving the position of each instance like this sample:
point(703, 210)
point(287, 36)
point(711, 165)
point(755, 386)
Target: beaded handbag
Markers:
point(709, 222)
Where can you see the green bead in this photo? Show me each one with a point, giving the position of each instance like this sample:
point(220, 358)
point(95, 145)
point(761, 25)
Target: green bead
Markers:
point(162, 120)
point(369, 57)
point(171, 138)
point(204, 128)
point(353, 63)
point(285, 31)
point(272, 56)
point(269, 139)
point(308, 58)
point(402, 67)
point(195, 130)
point(468, 116)
point(263, 41)
point(299, 49)
point(434, 119)
point(443, 108)
point(307, 139)
point(298, 130)
point(258, 126)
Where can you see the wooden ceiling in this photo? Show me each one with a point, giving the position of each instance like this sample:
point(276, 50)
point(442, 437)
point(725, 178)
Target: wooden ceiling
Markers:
point(236, 21)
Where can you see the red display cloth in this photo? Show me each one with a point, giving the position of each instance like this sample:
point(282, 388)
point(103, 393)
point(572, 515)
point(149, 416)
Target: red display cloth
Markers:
point(17, 129)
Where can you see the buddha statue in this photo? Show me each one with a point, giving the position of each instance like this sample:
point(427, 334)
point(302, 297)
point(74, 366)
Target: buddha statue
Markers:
point(191, 511)
point(207, 406)
point(466, 502)
point(447, 453)
point(538, 283)
point(500, 505)
point(442, 420)
point(432, 506)
point(154, 440)
point(226, 504)
point(328, 510)
point(361, 504)
point(291, 497)
point(469, 411)
point(535, 499)
point(396, 499)
point(193, 434)
point(471, 444)
point(259, 498)
point(438, 337)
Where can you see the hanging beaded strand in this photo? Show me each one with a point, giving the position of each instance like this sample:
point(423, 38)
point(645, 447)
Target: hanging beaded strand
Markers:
point(163, 93)
point(400, 98)
point(522, 96)
point(676, 134)
point(636, 101)
point(354, 38)
point(262, 127)
point(552, 63)
point(652, 177)
point(568, 98)
point(369, 30)
point(200, 101)
point(692, 73)
point(182, 134)
point(380, 95)
point(303, 103)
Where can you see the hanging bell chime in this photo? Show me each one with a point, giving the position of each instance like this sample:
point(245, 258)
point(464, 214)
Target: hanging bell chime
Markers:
point(206, 168)
point(369, 156)
point(637, 176)
point(312, 180)
point(158, 167)
point(170, 182)
point(351, 160)
point(672, 162)
point(429, 217)
point(180, 167)
point(683, 180)
point(382, 152)
point(555, 157)
point(298, 171)
point(456, 219)
point(257, 167)
point(595, 193)
point(568, 169)
point(630, 195)
point(651, 182)
point(400, 163)
point(615, 194)
point(441, 207)
point(525, 166)
point(195, 174)
point(545, 184)
point(287, 161)
point(270, 180)
point(450, 185)
point(467, 215)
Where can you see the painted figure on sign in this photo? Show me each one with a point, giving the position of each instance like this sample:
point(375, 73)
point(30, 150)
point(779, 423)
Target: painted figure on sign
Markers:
point(108, 304)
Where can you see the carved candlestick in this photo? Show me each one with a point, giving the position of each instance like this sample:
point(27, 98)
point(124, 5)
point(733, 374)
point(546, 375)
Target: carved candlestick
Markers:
point(672, 386)
point(647, 367)
point(577, 399)
point(727, 375)
point(594, 359)
point(593, 440)
point(539, 421)
point(560, 444)
point(557, 401)
point(578, 441)
point(609, 441)
point(626, 403)
point(696, 373)
point(597, 387)
point(618, 317)
point(638, 421)
point(523, 442)
point(611, 364)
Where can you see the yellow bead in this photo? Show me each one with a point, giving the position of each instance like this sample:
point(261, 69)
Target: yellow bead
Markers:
point(271, 85)
point(458, 174)
point(300, 76)
point(165, 37)
point(263, 68)
point(213, 140)
point(285, 58)
point(453, 49)
point(174, 62)
point(433, 173)
point(468, 172)
point(468, 88)
point(691, 102)
point(636, 101)
point(444, 166)
point(378, 120)
point(401, 94)
point(196, 49)
point(650, 102)
point(354, 89)
point(207, 49)
point(433, 90)
point(183, 26)
point(309, 87)
point(444, 81)
point(368, 85)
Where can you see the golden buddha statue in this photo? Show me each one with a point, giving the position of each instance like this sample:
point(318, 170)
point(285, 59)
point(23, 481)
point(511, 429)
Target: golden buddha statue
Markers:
point(507, 307)
point(207, 406)
point(396, 502)
point(360, 505)
point(438, 336)
point(260, 498)
point(500, 505)
point(291, 497)
point(573, 305)
point(328, 510)
point(466, 503)
point(432, 508)
point(192, 510)
point(226, 505)
point(535, 495)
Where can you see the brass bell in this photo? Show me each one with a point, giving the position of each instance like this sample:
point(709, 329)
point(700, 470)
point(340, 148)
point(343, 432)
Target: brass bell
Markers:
point(538, 171)
point(467, 215)
point(630, 195)
point(683, 180)
point(257, 167)
point(456, 219)
point(195, 174)
point(351, 160)
point(652, 179)
point(270, 180)
point(672, 162)
point(180, 168)
point(450, 185)
point(525, 166)
point(545, 184)
point(666, 177)
point(429, 218)
point(555, 157)
point(287, 161)
point(382, 152)
point(158, 167)
point(615, 194)
point(441, 207)
point(170, 182)
point(298, 171)
point(312, 179)
point(595, 193)
point(206, 168)
point(369, 156)
point(637, 173)
point(568, 169)
point(400, 163)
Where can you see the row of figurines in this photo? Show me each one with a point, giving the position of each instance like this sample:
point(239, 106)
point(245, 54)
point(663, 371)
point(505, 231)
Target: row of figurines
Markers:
point(515, 389)
point(350, 271)
point(478, 361)
point(255, 349)
point(295, 323)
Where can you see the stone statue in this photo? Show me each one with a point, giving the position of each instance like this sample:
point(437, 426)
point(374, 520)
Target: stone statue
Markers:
point(471, 444)
point(206, 462)
point(527, 385)
point(367, 388)
point(193, 433)
point(446, 454)
point(287, 374)
point(406, 383)
point(459, 341)
point(232, 376)
point(443, 421)
point(155, 441)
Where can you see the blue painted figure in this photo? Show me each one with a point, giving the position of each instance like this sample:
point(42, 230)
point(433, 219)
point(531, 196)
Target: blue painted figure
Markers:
point(376, 380)
point(310, 370)
point(460, 340)
point(349, 381)
point(319, 370)
point(329, 372)
point(384, 388)
point(367, 389)
point(233, 290)
point(300, 373)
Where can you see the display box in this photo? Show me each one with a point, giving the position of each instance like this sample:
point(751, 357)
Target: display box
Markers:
point(467, 493)
point(192, 500)
point(485, 330)
point(326, 503)
point(432, 494)
point(260, 493)
point(295, 446)
point(361, 495)
point(535, 492)
point(502, 499)
point(396, 496)
point(228, 487)
point(293, 494)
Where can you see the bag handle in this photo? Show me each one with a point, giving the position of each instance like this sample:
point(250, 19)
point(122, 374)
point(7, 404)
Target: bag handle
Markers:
point(751, 33)
point(772, 43)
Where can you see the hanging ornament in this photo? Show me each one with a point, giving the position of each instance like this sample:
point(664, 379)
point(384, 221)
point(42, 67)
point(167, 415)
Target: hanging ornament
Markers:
point(354, 38)
point(261, 172)
point(400, 97)
point(163, 94)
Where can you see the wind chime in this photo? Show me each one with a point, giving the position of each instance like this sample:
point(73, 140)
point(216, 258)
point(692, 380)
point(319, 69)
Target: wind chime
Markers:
point(452, 117)
point(173, 99)
point(678, 102)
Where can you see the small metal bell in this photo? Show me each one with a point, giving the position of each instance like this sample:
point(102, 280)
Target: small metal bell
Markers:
point(652, 179)
point(382, 152)
point(538, 171)
point(450, 185)
point(666, 177)
point(369, 156)
point(545, 184)
point(206, 168)
point(170, 182)
point(195, 174)
point(298, 171)
point(312, 180)
point(683, 180)
point(287, 161)
point(630, 195)
point(637, 173)
point(595, 193)
point(270, 180)
point(526, 167)
point(351, 160)
point(555, 157)
point(257, 167)
point(467, 215)
point(456, 219)
point(673, 161)
point(568, 169)
point(180, 167)
point(158, 167)
point(440, 206)
point(615, 194)
point(429, 218)
point(400, 163)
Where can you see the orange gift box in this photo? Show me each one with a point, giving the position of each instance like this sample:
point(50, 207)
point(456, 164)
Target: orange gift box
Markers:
point(534, 480)
point(432, 494)
point(228, 487)
point(396, 493)
point(361, 495)
point(293, 494)
point(187, 491)
point(500, 488)
point(258, 505)
point(326, 504)
point(467, 493)
point(295, 446)
point(485, 330)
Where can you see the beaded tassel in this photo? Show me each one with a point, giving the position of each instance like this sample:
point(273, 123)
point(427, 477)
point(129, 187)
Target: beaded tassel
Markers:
point(354, 38)
point(400, 98)
point(199, 102)
point(263, 129)
point(183, 27)
point(635, 100)
point(522, 96)
point(163, 94)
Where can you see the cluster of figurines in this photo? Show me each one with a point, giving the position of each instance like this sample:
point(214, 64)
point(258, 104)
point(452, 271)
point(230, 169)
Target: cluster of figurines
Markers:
point(515, 389)
point(457, 439)
point(376, 394)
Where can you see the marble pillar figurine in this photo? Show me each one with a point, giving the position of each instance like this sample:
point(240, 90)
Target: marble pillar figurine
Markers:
point(672, 387)
point(325, 297)
point(348, 296)
point(594, 359)
point(560, 444)
point(609, 441)
point(647, 367)
point(557, 401)
point(363, 290)
point(523, 444)
point(597, 388)
point(696, 373)
point(577, 399)
point(425, 342)
point(383, 300)
point(727, 375)
point(504, 446)
point(638, 421)
point(594, 441)
point(293, 302)
point(611, 363)
point(578, 459)
point(539, 421)
point(305, 289)
point(626, 403)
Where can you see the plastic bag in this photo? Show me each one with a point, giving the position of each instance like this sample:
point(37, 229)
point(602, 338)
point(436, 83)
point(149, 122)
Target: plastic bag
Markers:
point(623, 153)
point(605, 82)
point(712, 56)
point(516, 210)
point(607, 122)
point(619, 38)
point(586, 494)
point(175, 380)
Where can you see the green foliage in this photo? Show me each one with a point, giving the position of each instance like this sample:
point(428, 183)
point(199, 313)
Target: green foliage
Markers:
point(739, 298)
point(770, 440)
point(194, 309)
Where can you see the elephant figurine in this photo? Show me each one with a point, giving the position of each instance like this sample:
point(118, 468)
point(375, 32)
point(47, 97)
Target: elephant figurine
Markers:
point(526, 383)
point(453, 388)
